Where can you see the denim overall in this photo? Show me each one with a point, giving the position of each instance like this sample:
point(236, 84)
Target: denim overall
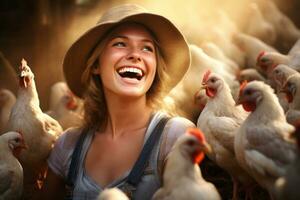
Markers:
point(140, 183)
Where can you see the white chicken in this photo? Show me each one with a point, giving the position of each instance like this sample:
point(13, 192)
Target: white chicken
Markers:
point(251, 46)
point(278, 77)
point(215, 52)
point(7, 100)
point(267, 61)
point(65, 111)
point(185, 91)
point(40, 130)
point(112, 194)
point(11, 171)
point(200, 99)
point(291, 90)
point(249, 74)
point(219, 121)
point(217, 30)
point(280, 74)
point(287, 31)
point(256, 25)
point(263, 143)
point(265, 67)
point(57, 90)
point(287, 187)
point(182, 178)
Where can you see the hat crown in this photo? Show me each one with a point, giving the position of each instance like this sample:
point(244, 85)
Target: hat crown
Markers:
point(119, 12)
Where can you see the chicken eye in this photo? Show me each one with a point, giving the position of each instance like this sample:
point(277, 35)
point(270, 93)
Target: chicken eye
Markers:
point(17, 140)
point(248, 92)
point(191, 143)
point(264, 60)
point(213, 80)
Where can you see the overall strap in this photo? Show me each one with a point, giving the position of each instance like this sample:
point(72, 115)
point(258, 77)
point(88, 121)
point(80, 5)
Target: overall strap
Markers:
point(138, 169)
point(74, 166)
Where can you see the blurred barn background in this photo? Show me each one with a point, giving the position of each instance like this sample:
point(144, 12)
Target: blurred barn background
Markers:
point(41, 30)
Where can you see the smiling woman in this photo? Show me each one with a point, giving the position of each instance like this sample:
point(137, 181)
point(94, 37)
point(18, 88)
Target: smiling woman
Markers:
point(120, 68)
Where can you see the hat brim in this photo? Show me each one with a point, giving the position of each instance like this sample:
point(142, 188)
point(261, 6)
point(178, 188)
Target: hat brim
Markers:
point(172, 44)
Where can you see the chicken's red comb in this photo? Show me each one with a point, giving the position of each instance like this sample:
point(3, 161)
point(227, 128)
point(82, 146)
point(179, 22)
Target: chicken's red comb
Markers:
point(206, 76)
point(260, 55)
point(197, 133)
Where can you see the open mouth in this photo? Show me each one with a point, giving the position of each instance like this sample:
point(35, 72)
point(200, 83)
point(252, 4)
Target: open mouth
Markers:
point(131, 72)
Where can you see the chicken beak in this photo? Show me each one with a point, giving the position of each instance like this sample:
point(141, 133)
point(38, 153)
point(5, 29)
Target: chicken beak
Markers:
point(206, 147)
point(203, 86)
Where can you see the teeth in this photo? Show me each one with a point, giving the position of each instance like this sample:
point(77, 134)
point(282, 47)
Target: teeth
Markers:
point(131, 69)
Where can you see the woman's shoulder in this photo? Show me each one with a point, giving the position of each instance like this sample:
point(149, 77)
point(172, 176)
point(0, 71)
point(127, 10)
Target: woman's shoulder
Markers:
point(174, 121)
point(179, 123)
point(68, 138)
point(60, 155)
point(176, 127)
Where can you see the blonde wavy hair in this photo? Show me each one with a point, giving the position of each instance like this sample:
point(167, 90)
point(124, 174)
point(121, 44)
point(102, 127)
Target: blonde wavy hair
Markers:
point(95, 108)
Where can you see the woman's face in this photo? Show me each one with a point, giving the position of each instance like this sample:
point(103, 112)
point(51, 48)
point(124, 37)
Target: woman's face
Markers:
point(127, 64)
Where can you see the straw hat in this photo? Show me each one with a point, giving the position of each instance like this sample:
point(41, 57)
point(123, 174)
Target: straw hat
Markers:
point(173, 45)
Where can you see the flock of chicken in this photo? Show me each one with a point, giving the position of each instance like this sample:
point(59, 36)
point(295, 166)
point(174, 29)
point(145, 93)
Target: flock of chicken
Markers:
point(247, 110)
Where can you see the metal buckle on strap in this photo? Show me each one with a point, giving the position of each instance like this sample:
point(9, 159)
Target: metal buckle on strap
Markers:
point(128, 189)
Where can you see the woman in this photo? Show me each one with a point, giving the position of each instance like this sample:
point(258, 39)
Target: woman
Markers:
point(120, 68)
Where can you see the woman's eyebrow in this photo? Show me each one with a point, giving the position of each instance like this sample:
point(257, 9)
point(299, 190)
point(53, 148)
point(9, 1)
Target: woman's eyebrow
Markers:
point(125, 37)
point(118, 36)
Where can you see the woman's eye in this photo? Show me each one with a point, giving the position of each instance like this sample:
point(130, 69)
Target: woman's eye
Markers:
point(119, 44)
point(147, 48)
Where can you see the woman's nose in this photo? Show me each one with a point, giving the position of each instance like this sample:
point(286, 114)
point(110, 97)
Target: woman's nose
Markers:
point(134, 55)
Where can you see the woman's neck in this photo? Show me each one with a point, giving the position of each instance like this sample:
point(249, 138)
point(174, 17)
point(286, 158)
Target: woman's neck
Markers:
point(127, 115)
